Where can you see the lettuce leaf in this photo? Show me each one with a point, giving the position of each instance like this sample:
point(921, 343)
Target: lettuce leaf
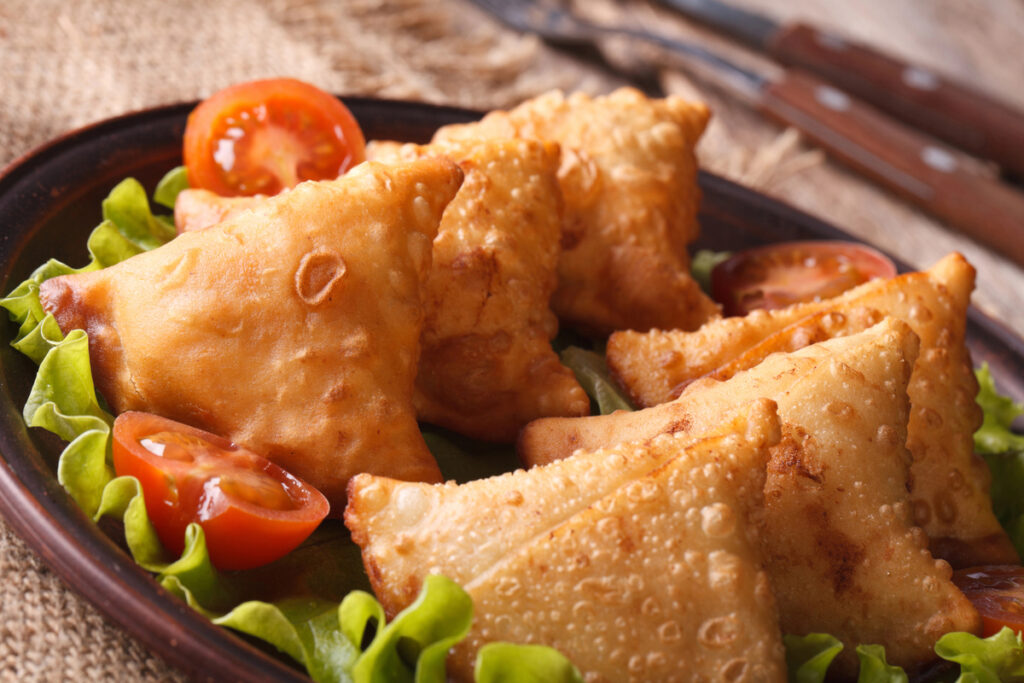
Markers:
point(874, 668)
point(509, 663)
point(592, 373)
point(127, 207)
point(985, 660)
point(808, 657)
point(294, 604)
point(167, 190)
point(1003, 450)
point(413, 647)
point(995, 435)
point(702, 263)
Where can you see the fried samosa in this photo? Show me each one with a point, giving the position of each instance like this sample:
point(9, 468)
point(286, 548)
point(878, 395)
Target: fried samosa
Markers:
point(639, 563)
point(629, 178)
point(487, 366)
point(292, 329)
point(840, 544)
point(195, 208)
point(950, 483)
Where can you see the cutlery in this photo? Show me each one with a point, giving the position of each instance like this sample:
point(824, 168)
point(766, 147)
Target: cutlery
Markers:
point(956, 113)
point(942, 181)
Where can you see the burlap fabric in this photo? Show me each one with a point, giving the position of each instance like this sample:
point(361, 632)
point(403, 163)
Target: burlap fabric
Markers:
point(67, 63)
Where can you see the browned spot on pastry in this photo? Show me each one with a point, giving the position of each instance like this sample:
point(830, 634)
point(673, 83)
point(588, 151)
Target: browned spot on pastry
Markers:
point(682, 424)
point(842, 553)
point(787, 459)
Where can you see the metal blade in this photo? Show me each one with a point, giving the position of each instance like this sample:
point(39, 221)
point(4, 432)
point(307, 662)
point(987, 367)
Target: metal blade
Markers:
point(552, 22)
point(753, 29)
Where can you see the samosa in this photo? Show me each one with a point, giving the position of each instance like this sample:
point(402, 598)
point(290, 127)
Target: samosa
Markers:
point(292, 329)
point(629, 178)
point(487, 366)
point(639, 563)
point(950, 484)
point(843, 553)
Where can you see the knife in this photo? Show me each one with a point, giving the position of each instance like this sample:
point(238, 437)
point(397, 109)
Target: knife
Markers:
point(944, 182)
point(950, 111)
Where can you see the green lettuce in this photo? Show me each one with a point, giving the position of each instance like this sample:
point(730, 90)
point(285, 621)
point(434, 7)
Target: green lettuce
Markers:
point(167, 190)
point(592, 373)
point(874, 668)
point(127, 208)
point(998, 658)
point(509, 663)
point(995, 435)
point(1003, 450)
point(702, 263)
point(808, 657)
point(311, 605)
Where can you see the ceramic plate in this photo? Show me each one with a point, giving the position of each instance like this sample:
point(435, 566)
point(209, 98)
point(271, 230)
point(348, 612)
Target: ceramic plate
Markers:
point(50, 201)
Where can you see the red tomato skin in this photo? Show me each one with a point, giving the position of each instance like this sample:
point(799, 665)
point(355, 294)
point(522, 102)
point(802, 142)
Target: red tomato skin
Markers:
point(779, 275)
point(997, 592)
point(239, 534)
point(281, 109)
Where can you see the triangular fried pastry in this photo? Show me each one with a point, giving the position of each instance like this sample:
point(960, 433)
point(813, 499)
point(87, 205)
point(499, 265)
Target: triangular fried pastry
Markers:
point(950, 483)
point(661, 580)
point(655, 576)
point(629, 178)
point(195, 208)
point(407, 531)
point(487, 366)
point(840, 544)
point(292, 329)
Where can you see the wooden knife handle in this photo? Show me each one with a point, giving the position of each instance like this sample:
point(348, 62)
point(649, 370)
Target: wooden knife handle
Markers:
point(964, 117)
point(945, 183)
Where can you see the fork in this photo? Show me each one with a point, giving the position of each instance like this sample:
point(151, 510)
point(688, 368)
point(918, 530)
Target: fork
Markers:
point(555, 24)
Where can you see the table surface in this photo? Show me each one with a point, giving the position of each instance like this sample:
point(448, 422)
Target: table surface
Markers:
point(63, 65)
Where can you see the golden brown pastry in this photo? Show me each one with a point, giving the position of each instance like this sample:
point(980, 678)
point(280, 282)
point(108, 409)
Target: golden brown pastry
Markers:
point(950, 483)
point(195, 208)
point(639, 563)
point(840, 544)
point(487, 366)
point(292, 329)
point(629, 178)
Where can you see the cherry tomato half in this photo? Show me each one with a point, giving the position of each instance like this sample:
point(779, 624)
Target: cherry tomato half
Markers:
point(997, 592)
point(779, 275)
point(264, 136)
point(251, 510)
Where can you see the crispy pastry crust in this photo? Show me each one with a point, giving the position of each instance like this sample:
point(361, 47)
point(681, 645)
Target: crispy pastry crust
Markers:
point(840, 543)
point(629, 178)
point(639, 562)
point(292, 329)
point(949, 482)
point(487, 366)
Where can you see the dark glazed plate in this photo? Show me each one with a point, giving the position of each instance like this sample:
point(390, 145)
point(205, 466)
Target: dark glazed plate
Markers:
point(50, 201)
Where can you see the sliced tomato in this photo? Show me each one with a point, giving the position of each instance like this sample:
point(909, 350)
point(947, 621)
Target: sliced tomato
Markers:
point(779, 275)
point(251, 510)
point(997, 592)
point(264, 136)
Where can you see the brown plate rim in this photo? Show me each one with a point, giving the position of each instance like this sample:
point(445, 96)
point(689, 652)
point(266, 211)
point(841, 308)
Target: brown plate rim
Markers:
point(75, 548)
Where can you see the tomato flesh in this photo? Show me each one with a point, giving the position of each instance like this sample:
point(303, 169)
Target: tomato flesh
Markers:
point(997, 592)
point(264, 136)
point(781, 275)
point(252, 512)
